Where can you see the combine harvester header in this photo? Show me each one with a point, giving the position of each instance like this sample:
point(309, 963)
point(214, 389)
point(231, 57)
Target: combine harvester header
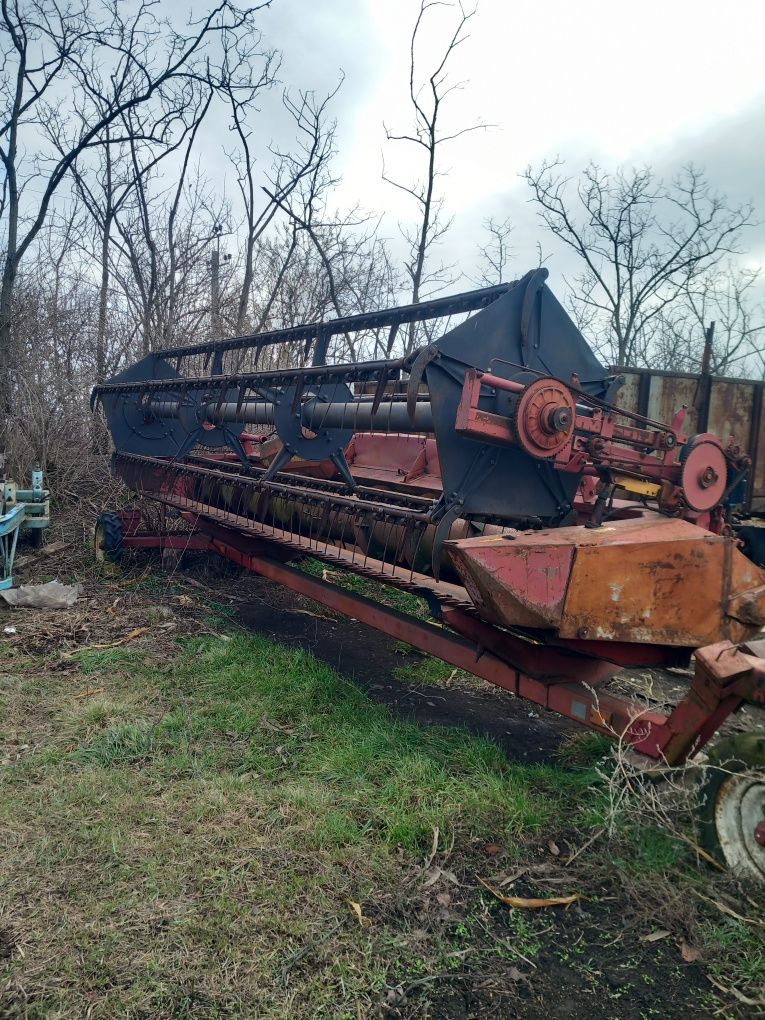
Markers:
point(556, 537)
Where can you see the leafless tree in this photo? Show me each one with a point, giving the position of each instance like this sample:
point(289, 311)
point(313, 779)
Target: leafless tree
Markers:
point(496, 253)
point(163, 242)
point(728, 297)
point(113, 232)
point(314, 148)
point(427, 99)
point(305, 181)
point(55, 311)
point(119, 180)
point(642, 243)
point(300, 289)
point(73, 69)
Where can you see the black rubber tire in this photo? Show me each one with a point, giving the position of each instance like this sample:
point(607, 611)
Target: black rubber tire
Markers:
point(109, 536)
point(743, 752)
point(34, 537)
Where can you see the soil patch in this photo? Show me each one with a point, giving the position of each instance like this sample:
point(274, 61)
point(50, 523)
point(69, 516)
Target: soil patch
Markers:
point(374, 662)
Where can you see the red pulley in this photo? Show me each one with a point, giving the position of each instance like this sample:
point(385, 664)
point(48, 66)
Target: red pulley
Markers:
point(545, 416)
point(704, 474)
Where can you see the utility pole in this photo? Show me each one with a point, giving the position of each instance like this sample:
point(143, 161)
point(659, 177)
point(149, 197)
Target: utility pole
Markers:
point(703, 395)
point(216, 326)
point(215, 283)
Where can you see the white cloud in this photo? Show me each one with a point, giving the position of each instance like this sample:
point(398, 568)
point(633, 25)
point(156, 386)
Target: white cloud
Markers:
point(606, 79)
point(614, 79)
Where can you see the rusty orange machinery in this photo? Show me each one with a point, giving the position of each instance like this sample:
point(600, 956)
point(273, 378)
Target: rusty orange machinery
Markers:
point(584, 537)
point(644, 578)
point(648, 580)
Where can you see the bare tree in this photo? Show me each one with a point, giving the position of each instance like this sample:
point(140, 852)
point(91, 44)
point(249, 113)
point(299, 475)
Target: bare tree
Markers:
point(642, 242)
point(162, 240)
point(314, 148)
point(306, 202)
point(496, 253)
point(427, 99)
point(728, 297)
point(73, 70)
point(346, 264)
point(54, 317)
point(295, 286)
point(108, 187)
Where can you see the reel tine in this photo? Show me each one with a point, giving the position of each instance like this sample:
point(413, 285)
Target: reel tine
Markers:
point(299, 383)
point(382, 382)
point(392, 335)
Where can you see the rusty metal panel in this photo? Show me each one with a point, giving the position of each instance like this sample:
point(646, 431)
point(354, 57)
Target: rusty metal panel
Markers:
point(650, 579)
point(642, 592)
point(757, 453)
point(730, 410)
point(513, 580)
point(734, 408)
point(628, 396)
point(667, 582)
point(668, 394)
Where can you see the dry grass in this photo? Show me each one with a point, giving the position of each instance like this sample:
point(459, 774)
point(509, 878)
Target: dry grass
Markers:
point(198, 822)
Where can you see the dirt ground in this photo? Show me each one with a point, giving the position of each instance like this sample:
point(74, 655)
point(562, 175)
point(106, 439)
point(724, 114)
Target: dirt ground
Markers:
point(630, 946)
point(375, 662)
point(620, 963)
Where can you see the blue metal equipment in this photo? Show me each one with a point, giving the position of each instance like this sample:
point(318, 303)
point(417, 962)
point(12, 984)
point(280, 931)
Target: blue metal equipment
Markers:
point(22, 509)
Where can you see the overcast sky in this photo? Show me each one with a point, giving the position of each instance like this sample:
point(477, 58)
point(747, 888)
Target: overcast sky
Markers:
point(662, 82)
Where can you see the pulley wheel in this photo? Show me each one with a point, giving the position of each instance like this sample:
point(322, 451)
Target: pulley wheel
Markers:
point(545, 416)
point(703, 475)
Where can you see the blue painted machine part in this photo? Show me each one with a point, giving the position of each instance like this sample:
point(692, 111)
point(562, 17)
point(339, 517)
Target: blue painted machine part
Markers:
point(9, 534)
point(21, 508)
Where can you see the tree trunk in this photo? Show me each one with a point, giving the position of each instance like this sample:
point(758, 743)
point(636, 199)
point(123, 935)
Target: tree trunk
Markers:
point(6, 352)
point(103, 298)
point(244, 295)
point(100, 433)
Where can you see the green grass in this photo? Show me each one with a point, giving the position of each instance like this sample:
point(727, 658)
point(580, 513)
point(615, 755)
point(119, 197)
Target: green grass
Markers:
point(585, 748)
point(740, 953)
point(253, 707)
point(185, 827)
point(170, 844)
point(404, 601)
point(425, 670)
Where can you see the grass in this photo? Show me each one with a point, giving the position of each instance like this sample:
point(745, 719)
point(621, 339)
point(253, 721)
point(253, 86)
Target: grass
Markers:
point(172, 843)
point(404, 601)
point(425, 669)
point(739, 952)
point(191, 830)
point(251, 707)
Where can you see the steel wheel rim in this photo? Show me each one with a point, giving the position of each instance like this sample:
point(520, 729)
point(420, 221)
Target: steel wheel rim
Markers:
point(740, 807)
point(98, 543)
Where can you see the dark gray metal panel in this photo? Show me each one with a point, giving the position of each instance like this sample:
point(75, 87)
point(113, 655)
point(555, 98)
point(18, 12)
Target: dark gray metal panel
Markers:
point(133, 429)
point(496, 480)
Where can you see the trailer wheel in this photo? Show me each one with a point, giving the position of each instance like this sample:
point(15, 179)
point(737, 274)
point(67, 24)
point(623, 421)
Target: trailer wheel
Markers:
point(108, 538)
point(34, 537)
point(732, 805)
